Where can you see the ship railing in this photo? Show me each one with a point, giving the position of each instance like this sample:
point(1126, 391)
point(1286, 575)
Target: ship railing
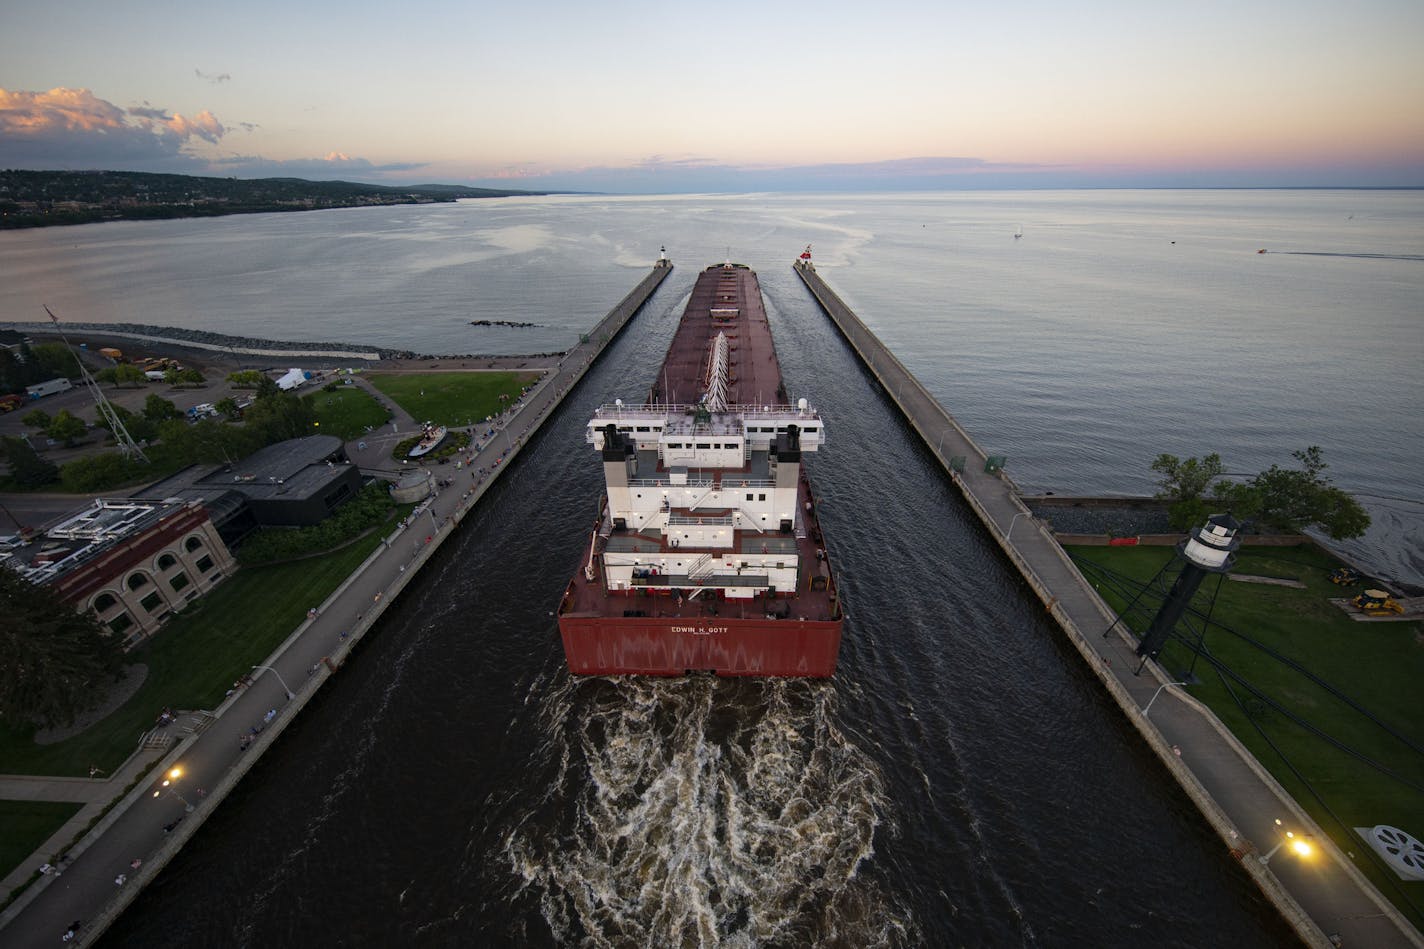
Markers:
point(701, 567)
point(711, 580)
point(664, 482)
point(684, 520)
point(663, 410)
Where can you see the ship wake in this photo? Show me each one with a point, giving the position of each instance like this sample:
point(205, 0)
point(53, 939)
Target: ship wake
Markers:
point(705, 812)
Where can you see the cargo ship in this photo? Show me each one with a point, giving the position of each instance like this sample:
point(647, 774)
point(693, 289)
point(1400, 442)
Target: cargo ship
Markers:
point(707, 554)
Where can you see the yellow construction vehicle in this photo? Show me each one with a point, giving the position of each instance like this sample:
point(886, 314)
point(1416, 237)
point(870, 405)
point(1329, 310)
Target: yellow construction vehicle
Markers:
point(1376, 603)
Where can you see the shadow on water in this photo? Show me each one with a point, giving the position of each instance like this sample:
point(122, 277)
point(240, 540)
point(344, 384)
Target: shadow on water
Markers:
point(960, 781)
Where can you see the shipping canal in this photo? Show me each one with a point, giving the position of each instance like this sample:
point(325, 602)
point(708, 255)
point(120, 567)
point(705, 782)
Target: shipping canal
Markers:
point(962, 780)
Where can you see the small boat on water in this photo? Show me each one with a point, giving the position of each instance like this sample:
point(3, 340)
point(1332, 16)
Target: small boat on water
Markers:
point(430, 438)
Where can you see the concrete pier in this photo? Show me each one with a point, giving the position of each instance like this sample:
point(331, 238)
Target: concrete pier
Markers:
point(1238, 797)
point(152, 827)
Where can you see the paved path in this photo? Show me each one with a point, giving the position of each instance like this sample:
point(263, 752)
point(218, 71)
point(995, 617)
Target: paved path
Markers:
point(1238, 797)
point(153, 822)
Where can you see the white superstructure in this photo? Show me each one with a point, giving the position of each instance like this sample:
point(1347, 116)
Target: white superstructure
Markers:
point(706, 496)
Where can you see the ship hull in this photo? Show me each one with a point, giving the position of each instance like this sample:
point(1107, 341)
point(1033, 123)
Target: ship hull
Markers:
point(644, 645)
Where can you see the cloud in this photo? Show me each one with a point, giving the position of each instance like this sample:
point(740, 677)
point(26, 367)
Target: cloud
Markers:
point(214, 79)
point(73, 128)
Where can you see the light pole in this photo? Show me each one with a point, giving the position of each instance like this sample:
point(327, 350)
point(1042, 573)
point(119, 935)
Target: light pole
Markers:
point(1301, 847)
point(1010, 532)
point(290, 696)
point(1148, 707)
point(167, 785)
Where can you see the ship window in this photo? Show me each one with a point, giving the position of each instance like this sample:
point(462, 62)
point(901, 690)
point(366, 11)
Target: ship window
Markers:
point(704, 445)
point(809, 429)
point(648, 428)
point(674, 444)
point(749, 496)
point(761, 497)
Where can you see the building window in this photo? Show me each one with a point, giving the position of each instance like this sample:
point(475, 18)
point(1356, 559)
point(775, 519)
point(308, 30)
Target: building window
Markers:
point(166, 561)
point(205, 564)
point(103, 601)
point(120, 623)
point(179, 581)
point(192, 544)
point(137, 581)
point(151, 602)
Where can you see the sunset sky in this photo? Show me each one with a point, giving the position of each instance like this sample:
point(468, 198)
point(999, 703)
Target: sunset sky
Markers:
point(613, 96)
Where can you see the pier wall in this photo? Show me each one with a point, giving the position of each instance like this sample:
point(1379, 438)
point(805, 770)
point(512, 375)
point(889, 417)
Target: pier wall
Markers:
point(1235, 794)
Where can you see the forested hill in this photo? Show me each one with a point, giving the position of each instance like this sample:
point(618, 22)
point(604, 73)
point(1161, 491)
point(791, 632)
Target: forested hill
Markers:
point(43, 198)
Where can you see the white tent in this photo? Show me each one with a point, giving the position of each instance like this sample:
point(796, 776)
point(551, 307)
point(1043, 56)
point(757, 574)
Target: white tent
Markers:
point(293, 379)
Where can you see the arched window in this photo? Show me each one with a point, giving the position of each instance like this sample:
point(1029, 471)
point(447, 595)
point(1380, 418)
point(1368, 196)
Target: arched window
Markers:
point(166, 561)
point(137, 581)
point(193, 543)
point(103, 601)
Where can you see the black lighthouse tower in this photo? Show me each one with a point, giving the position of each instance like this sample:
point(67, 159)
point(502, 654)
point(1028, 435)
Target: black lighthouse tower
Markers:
point(1210, 548)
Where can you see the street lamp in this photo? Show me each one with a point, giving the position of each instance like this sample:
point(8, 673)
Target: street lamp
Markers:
point(167, 785)
point(1010, 532)
point(1148, 707)
point(290, 696)
point(1301, 847)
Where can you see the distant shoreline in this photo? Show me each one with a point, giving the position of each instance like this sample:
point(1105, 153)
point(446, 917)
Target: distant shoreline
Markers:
point(30, 199)
point(234, 348)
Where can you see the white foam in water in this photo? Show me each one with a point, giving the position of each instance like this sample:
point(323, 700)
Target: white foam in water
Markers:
point(714, 813)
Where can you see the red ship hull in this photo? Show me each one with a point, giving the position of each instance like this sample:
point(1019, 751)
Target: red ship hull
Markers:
point(644, 645)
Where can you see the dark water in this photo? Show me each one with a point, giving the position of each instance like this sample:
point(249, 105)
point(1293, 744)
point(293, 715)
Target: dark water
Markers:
point(961, 781)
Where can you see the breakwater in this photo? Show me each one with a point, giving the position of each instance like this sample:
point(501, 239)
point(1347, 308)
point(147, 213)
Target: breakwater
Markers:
point(1240, 800)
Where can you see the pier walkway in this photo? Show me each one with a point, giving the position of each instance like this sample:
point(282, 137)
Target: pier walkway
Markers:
point(1324, 896)
point(145, 829)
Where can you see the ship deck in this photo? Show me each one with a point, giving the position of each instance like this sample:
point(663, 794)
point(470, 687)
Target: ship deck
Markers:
point(754, 373)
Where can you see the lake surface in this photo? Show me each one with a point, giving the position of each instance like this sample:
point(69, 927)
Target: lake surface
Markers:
point(1121, 325)
point(962, 780)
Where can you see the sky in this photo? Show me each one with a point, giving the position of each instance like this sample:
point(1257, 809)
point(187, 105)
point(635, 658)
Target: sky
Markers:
point(613, 96)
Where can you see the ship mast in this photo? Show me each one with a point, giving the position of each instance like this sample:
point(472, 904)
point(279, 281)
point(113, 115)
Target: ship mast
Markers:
point(127, 445)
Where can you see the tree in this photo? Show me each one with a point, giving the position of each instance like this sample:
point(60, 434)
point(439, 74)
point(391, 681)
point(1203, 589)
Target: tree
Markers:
point(158, 409)
point(53, 660)
point(1293, 500)
point(52, 360)
point(27, 468)
point(191, 377)
point(122, 374)
point(66, 427)
point(281, 415)
point(38, 418)
point(228, 409)
point(246, 378)
point(139, 427)
point(1184, 483)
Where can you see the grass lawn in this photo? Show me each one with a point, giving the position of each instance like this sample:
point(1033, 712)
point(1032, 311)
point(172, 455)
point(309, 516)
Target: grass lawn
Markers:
point(453, 398)
point(1378, 776)
point(24, 825)
point(193, 661)
point(347, 411)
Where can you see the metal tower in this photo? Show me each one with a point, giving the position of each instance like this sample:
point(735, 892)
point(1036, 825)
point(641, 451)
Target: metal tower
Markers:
point(127, 445)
